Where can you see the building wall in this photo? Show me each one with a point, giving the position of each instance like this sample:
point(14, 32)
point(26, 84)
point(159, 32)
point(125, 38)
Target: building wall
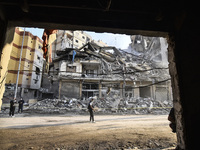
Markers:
point(145, 92)
point(5, 56)
point(29, 60)
point(69, 89)
point(72, 39)
point(80, 39)
point(65, 69)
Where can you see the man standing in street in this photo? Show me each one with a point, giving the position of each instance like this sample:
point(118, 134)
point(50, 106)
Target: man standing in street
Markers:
point(91, 109)
point(12, 107)
point(21, 103)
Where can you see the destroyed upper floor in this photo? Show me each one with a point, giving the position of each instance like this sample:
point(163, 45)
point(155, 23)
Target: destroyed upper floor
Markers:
point(145, 59)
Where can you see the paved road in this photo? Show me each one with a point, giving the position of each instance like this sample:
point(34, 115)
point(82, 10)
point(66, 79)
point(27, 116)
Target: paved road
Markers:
point(76, 132)
point(23, 121)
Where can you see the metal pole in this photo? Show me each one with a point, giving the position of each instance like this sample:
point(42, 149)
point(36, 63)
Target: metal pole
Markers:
point(19, 66)
point(72, 39)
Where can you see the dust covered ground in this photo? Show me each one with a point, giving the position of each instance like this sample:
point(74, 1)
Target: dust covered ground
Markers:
point(63, 132)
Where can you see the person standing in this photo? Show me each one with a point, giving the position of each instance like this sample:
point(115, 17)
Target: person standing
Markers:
point(171, 118)
point(12, 108)
point(91, 110)
point(21, 103)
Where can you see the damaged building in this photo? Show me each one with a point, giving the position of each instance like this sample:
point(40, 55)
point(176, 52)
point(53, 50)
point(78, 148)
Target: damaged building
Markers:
point(175, 20)
point(82, 67)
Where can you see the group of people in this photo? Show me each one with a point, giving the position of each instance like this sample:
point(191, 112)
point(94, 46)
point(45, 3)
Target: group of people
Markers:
point(13, 104)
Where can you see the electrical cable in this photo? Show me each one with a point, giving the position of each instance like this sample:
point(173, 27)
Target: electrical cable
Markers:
point(138, 71)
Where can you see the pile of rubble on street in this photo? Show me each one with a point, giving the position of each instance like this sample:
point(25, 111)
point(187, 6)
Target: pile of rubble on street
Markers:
point(108, 105)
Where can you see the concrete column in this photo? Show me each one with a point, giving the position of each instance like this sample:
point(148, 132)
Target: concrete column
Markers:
point(100, 87)
point(60, 84)
point(153, 91)
point(80, 91)
point(121, 89)
point(136, 92)
point(177, 104)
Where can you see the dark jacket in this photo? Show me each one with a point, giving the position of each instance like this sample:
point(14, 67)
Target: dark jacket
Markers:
point(12, 103)
point(90, 107)
point(21, 102)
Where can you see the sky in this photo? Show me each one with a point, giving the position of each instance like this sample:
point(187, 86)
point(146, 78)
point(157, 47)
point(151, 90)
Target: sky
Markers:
point(35, 31)
point(121, 41)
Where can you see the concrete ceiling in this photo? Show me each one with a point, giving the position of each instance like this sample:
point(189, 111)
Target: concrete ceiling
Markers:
point(127, 16)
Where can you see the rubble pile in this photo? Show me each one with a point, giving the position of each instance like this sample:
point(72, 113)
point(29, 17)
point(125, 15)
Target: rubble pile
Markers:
point(108, 105)
point(57, 106)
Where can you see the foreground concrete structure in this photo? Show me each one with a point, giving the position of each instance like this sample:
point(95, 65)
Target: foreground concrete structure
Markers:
point(177, 20)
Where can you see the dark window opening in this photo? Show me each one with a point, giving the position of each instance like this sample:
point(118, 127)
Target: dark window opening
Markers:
point(37, 71)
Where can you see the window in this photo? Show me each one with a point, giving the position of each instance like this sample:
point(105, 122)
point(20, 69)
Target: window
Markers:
point(71, 69)
point(76, 41)
point(83, 37)
point(38, 57)
point(90, 86)
point(90, 89)
point(37, 70)
point(128, 88)
point(90, 73)
point(88, 39)
point(39, 47)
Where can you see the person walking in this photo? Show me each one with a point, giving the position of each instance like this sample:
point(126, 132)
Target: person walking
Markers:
point(21, 103)
point(12, 107)
point(91, 110)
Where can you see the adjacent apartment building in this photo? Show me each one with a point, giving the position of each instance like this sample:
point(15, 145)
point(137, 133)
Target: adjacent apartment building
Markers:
point(30, 74)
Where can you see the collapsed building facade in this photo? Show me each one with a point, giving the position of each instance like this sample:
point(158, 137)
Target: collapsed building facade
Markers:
point(82, 68)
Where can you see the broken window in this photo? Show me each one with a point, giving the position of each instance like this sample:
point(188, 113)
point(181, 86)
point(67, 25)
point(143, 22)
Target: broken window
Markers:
point(90, 86)
point(88, 39)
point(37, 70)
point(71, 69)
point(90, 89)
point(128, 91)
point(90, 73)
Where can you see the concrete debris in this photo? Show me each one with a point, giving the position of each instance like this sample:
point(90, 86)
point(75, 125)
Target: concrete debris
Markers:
point(108, 105)
point(118, 64)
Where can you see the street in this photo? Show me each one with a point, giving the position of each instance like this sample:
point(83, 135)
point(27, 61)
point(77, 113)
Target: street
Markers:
point(41, 132)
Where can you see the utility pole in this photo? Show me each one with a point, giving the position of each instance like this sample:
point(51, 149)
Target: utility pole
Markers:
point(73, 39)
point(16, 86)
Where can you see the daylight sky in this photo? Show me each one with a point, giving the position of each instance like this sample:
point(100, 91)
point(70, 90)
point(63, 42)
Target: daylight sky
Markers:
point(118, 40)
point(121, 41)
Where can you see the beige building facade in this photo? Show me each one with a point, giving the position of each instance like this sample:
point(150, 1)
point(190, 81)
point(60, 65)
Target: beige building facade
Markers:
point(31, 67)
